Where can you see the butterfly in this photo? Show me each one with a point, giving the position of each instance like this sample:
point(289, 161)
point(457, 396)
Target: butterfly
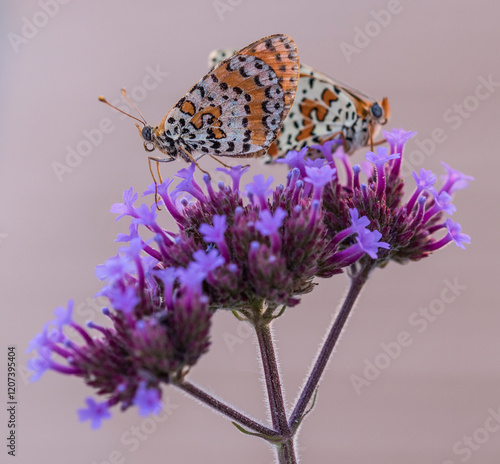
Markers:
point(235, 110)
point(325, 109)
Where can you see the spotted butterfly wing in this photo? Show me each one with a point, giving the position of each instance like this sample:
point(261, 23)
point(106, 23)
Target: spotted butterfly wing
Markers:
point(325, 109)
point(237, 109)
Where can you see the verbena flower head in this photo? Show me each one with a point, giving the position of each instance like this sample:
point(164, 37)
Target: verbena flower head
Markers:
point(159, 329)
point(269, 242)
point(413, 229)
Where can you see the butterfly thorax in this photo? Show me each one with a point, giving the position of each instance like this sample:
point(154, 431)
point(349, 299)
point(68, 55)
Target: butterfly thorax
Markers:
point(369, 119)
point(169, 145)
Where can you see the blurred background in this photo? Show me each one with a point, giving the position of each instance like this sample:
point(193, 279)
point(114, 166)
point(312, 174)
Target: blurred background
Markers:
point(66, 158)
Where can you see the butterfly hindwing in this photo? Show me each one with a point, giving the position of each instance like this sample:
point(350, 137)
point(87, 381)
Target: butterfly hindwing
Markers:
point(321, 110)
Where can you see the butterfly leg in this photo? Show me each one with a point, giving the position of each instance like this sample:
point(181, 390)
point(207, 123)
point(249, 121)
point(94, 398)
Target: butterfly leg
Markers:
point(379, 142)
point(372, 143)
point(342, 136)
point(158, 161)
point(224, 164)
point(190, 156)
point(219, 161)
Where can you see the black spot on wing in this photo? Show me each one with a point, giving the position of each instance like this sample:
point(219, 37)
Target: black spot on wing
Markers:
point(269, 45)
point(215, 144)
point(264, 107)
point(257, 81)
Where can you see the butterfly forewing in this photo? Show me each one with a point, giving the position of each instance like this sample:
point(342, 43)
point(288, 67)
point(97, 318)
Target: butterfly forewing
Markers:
point(238, 108)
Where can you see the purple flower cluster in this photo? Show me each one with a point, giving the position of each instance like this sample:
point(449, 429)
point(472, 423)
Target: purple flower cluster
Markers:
point(262, 250)
point(411, 228)
point(160, 328)
point(253, 250)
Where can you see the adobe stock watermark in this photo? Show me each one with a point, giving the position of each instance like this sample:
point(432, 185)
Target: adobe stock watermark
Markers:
point(454, 117)
point(469, 444)
point(94, 136)
point(222, 7)
point(418, 322)
point(32, 26)
point(363, 36)
point(3, 236)
point(88, 310)
point(136, 435)
point(243, 331)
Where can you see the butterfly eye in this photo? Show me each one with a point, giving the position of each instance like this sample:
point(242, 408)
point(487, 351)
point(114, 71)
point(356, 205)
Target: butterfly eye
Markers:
point(376, 110)
point(147, 134)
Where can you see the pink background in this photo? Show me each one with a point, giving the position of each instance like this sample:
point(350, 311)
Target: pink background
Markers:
point(428, 57)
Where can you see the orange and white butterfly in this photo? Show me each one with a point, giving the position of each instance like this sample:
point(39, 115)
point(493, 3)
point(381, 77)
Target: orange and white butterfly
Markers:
point(325, 109)
point(236, 109)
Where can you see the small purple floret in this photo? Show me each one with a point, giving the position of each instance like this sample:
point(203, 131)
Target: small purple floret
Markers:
point(369, 242)
point(147, 400)
point(268, 223)
point(216, 232)
point(95, 413)
point(454, 229)
point(208, 261)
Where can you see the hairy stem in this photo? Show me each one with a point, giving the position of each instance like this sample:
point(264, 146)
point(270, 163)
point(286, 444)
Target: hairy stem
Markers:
point(285, 449)
point(225, 409)
point(357, 283)
point(286, 452)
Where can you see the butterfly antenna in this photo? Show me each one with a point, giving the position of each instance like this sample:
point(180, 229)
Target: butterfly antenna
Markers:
point(102, 99)
point(124, 93)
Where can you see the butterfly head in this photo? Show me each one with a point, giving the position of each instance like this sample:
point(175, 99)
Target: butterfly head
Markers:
point(164, 141)
point(380, 112)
